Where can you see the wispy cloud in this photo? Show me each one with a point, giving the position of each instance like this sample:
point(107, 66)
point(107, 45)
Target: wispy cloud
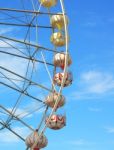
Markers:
point(90, 24)
point(6, 30)
point(95, 109)
point(111, 20)
point(78, 142)
point(98, 82)
point(109, 129)
point(81, 142)
point(94, 84)
point(12, 63)
point(8, 137)
point(93, 19)
point(27, 111)
point(21, 112)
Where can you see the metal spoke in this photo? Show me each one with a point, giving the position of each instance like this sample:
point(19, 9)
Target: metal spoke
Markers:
point(15, 18)
point(27, 58)
point(12, 79)
point(27, 43)
point(25, 25)
point(30, 81)
point(21, 116)
point(28, 11)
point(25, 93)
point(13, 47)
point(17, 118)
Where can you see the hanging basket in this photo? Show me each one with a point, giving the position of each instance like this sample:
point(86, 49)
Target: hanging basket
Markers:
point(56, 122)
point(59, 39)
point(57, 21)
point(33, 138)
point(58, 78)
point(53, 98)
point(59, 60)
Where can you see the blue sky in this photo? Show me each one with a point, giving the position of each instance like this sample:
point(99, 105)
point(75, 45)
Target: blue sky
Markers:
point(90, 100)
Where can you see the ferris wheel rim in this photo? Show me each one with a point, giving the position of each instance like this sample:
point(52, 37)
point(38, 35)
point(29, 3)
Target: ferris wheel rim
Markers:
point(65, 70)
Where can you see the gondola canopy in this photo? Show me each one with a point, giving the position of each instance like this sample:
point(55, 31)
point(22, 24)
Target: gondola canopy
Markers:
point(59, 60)
point(33, 138)
point(56, 122)
point(54, 98)
point(57, 21)
point(58, 39)
point(58, 78)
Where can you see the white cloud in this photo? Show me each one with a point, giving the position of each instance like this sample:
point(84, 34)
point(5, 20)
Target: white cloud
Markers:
point(78, 142)
point(8, 137)
point(94, 109)
point(27, 111)
point(90, 24)
point(98, 82)
point(6, 30)
point(21, 112)
point(111, 20)
point(4, 137)
point(12, 63)
point(81, 142)
point(109, 129)
point(94, 84)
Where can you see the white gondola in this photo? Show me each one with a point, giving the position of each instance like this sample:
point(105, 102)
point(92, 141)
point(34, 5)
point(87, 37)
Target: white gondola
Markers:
point(33, 138)
point(59, 60)
point(58, 78)
point(48, 3)
point(57, 21)
point(53, 98)
point(56, 122)
point(58, 39)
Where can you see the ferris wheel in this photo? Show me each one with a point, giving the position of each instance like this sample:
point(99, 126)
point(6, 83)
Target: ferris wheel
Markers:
point(34, 68)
